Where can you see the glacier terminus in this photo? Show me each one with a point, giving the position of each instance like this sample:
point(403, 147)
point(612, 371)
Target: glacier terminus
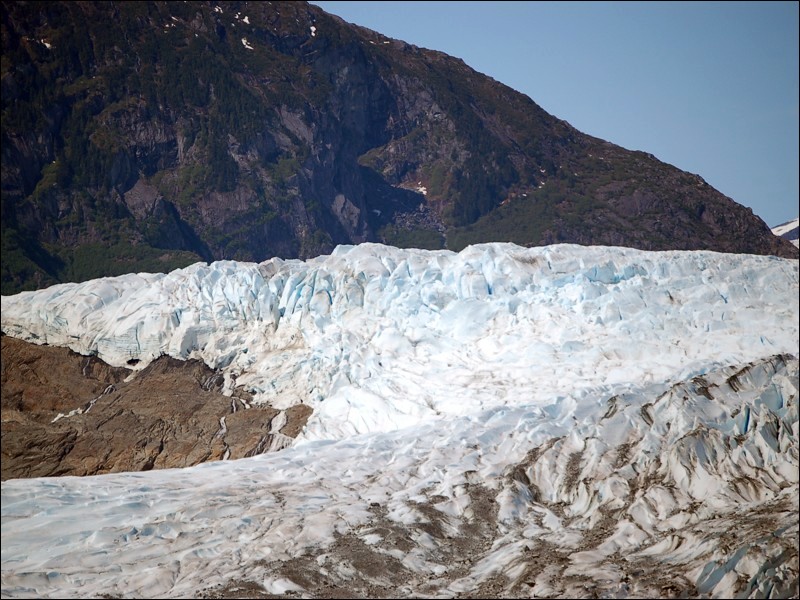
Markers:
point(560, 421)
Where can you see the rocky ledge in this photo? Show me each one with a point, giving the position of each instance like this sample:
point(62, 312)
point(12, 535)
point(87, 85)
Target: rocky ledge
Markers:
point(67, 414)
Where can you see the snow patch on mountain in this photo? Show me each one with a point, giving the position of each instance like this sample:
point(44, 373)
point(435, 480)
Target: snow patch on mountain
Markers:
point(789, 230)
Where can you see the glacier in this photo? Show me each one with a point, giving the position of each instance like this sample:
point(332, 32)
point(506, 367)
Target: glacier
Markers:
point(557, 421)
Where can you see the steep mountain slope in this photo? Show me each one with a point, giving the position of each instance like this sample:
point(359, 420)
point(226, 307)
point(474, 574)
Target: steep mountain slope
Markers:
point(563, 421)
point(146, 135)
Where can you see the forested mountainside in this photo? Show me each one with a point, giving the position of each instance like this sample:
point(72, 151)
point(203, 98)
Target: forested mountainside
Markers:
point(143, 136)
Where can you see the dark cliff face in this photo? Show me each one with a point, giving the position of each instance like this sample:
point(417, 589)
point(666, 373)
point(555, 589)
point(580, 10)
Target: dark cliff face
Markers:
point(145, 136)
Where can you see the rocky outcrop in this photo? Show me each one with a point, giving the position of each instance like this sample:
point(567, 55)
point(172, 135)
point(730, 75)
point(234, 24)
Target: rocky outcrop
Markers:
point(66, 414)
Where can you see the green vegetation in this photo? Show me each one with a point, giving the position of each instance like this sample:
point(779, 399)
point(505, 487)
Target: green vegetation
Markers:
point(319, 242)
point(524, 220)
point(438, 179)
point(95, 260)
point(425, 239)
point(25, 265)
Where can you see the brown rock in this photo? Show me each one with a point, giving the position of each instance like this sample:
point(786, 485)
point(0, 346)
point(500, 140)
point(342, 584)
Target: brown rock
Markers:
point(170, 414)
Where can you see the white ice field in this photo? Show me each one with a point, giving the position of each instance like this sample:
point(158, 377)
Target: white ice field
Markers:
point(609, 421)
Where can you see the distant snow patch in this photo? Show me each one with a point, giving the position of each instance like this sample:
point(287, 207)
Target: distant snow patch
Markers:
point(246, 19)
point(789, 230)
point(313, 31)
point(246, 45)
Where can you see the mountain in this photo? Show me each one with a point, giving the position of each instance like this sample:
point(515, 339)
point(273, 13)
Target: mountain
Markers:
point(788, 231)
point(561, 421)
point(143, 136)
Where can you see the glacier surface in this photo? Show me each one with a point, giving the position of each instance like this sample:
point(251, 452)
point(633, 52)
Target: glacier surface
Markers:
point(623, 411)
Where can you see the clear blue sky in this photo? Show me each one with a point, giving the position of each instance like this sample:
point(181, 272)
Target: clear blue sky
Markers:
point(710, 87)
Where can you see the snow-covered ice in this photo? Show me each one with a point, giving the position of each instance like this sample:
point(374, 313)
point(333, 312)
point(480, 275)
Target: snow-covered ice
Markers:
point(790, 227)
point(357, 334)
point(608, 402)
point(786, 227)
